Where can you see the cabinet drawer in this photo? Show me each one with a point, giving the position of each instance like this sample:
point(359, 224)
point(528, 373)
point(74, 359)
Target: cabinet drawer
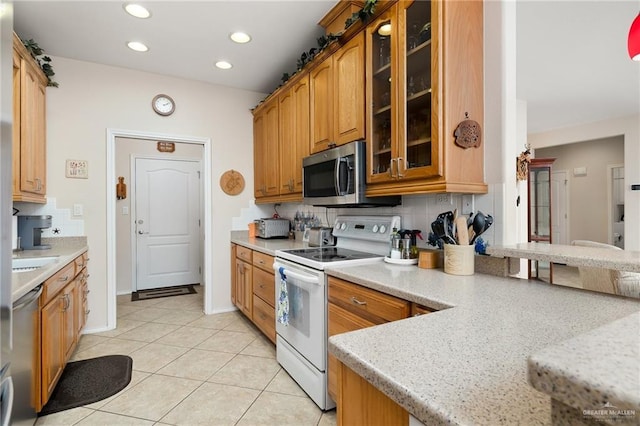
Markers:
point(263, 261)
point(264, 286)
point(417, 310)
point(368, 303)
point(80, 263)
point(57, 282)
point(243, 253)
point(264, 317)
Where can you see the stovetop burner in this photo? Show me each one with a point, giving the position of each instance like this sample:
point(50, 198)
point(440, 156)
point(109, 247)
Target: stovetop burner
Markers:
point(331, 254)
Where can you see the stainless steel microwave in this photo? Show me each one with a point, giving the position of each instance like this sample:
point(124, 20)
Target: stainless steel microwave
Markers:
point(337, 178)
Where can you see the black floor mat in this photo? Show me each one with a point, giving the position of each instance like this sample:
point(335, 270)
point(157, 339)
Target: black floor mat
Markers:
point(163, 292)
point(88, 381)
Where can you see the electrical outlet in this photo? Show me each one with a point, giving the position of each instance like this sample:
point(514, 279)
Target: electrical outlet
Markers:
point(77, 210)
point(467, 204)
point(443, 199)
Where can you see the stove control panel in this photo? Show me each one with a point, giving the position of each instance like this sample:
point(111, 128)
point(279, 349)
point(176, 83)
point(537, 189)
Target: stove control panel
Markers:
point(368, 228)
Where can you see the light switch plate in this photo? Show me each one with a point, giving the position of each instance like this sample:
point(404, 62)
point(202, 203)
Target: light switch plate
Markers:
point(77, 210)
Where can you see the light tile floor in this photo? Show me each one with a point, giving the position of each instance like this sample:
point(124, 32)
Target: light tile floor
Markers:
point(191, 369)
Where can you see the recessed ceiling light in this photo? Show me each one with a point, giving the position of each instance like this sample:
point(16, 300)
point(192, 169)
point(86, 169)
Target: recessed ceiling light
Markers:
point(137, 46)
point(240, 37)
point(137, 10)
point(223, 65)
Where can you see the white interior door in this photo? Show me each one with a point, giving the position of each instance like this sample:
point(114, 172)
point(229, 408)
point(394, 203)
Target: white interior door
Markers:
point(167, 223)
point(559, 208)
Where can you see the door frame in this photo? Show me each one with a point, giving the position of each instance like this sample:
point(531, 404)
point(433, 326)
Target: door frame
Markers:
point(207, 218)
point(132, 193)
point(567, 204)
point(610, 168)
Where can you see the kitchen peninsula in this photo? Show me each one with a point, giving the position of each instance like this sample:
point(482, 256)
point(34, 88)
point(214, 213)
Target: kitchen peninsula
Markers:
point(468, 364)
point(595, 257)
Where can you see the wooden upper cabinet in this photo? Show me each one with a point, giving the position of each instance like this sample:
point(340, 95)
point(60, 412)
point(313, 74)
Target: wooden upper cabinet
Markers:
point(266, 152)
point(337, 97)
point(29, 127)
point(258, 157)
point(420, 86)
point(321, 106)
point(294, 137)
point(348, 92)
point(301, 107)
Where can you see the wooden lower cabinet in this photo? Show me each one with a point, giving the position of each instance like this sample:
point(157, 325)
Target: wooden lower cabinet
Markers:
point(52, 345)
point(253, 287)
point(352, 307)
point(63, 311)
point(264, 317)
point(364, 404)
point(243, 284)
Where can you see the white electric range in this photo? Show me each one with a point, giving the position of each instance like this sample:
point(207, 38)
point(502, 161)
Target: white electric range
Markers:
point(301, 345)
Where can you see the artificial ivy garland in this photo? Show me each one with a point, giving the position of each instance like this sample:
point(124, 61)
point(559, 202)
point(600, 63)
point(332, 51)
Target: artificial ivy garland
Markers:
point(363, 15)
point(43, 61)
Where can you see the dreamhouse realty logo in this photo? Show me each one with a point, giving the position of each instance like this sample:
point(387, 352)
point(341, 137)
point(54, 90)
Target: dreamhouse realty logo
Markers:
point(609, 412)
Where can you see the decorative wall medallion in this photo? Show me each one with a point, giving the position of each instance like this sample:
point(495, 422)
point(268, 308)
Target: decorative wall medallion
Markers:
point(232, 182)
point(468, 133)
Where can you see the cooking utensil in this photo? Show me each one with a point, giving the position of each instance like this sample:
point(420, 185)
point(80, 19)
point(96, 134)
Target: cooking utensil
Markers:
point(438, 228)
point(462, 233)
point(483, 223)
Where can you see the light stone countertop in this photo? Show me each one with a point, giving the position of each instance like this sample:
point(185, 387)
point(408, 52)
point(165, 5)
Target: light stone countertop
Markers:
point(66, 248)
point(585, 373)
point(468, 364)
point(623, 260)
point(267, 246)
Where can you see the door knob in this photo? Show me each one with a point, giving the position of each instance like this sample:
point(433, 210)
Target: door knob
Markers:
point(140, 232)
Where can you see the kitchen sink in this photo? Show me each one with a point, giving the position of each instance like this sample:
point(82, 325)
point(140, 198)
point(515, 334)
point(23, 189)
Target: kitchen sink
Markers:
point(30, 263)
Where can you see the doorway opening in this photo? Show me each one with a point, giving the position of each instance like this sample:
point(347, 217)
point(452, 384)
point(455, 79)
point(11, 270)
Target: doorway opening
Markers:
point(199, 150)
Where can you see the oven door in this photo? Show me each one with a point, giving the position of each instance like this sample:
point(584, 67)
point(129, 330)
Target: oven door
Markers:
point(307, 328)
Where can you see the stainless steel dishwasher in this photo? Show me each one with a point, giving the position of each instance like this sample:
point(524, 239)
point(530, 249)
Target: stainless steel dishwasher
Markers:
point(24, 357)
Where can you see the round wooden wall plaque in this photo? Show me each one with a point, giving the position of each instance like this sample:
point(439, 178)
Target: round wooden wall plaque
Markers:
point(232, 182)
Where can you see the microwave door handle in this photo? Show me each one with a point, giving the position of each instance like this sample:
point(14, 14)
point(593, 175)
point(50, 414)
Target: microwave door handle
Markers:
point(339, 162)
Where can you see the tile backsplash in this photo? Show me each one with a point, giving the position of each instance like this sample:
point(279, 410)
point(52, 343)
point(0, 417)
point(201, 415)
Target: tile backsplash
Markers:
point(416, 211)
point(62, 223)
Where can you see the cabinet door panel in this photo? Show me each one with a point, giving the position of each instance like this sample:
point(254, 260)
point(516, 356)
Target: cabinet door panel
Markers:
point(271, 152)
point(302, 130)
point(259, 185)
point(348, 93)
point(321, 104)
point(32, 135)
point(287, 116)
point(52, 316)
point(340, 321)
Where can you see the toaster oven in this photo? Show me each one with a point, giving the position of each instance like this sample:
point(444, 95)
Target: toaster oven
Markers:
point(272, 228)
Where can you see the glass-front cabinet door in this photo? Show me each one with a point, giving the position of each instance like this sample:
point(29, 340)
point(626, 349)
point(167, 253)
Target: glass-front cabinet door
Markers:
point(382, 106)
point(399, 56)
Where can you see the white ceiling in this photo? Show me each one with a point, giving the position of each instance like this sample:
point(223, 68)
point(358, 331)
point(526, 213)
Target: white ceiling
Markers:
point(572, 61)
point(185, 38)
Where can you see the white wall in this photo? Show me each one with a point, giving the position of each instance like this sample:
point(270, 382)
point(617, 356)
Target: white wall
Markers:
point(93, 98)
point(589, 207)
point(629, 128)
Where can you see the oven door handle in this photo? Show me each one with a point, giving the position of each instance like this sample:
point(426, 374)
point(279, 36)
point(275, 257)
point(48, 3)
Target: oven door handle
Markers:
point(311, 279)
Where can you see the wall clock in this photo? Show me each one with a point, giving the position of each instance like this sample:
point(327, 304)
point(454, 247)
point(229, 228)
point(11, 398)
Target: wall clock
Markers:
point(163, 105)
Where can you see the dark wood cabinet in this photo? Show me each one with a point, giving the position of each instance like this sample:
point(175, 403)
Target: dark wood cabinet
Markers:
point(539, 221)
